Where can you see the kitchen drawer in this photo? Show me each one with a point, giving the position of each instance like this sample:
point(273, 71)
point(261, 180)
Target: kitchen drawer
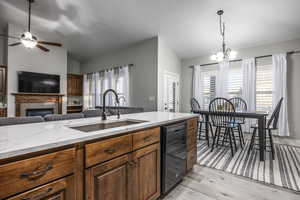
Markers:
point(192, 123)
point(146, 137)
point(22, 175)
point(107, 149)
point(62, 189)
point(191, 139)
point(191, 158)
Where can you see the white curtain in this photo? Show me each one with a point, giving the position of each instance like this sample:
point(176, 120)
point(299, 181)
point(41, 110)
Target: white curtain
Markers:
point(197, 84)
point(85, 92)
point(279, 77)
point(249, 86)
point(95, 84)
point(222, 80)
point(124, 85)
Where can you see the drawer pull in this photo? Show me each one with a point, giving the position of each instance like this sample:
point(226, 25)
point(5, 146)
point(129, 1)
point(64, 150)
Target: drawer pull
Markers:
point(110, 151)
point(37, 174)
point(38, 196)
point(147, 138)
point(132, 164)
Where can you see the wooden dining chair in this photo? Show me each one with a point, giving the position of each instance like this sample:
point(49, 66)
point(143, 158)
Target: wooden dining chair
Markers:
point(195, 106)
point(271, 125)
point(240, 105)
point(226, 123)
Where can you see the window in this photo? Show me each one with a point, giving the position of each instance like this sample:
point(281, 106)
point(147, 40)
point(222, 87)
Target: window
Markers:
point(208, 76)
point(235, 81)
point(264, 88)
point(98, 82)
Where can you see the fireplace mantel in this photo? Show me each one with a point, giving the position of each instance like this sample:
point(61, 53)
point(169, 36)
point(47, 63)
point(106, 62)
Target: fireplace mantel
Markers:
point(36, 94)
point(22, 98)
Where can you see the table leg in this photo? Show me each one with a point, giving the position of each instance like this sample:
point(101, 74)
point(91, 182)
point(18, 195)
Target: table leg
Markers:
point(261, 136)
point(206, 128)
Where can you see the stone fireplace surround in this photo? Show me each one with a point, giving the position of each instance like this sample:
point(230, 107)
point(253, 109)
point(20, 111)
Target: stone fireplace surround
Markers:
point(26, 101)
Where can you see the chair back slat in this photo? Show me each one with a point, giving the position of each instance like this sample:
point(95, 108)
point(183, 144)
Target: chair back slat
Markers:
point(273, 121)
point(195, 106)
point(221, 105)
point(240, 105)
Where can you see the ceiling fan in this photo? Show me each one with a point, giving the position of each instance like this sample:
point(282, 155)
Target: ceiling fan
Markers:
point(28, 39)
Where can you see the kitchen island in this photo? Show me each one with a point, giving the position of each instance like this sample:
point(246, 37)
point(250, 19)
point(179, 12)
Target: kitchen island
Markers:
point(54, 160)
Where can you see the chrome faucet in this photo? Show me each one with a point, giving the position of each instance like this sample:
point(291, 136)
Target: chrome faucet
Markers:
point(104, 116)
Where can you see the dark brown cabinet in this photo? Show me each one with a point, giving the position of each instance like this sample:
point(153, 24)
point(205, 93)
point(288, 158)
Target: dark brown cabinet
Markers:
point(192, 127)
point(135, 175)
point(75, 85)
point(2, 80)
point(109, 181)
point(146, 173)
point(62, 189)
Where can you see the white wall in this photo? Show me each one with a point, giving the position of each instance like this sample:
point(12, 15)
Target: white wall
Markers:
point(73, 66)
point(21, 59)
point(143, 75)
point(293, 77)
point(168, 61)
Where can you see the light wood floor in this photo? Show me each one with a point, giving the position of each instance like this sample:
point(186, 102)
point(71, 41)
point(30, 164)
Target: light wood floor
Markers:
point(210, 184)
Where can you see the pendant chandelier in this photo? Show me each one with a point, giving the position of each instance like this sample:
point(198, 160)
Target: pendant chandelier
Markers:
point(226, 54)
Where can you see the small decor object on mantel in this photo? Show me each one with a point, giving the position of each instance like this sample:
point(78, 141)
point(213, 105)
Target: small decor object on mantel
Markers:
point(225, 53)
point(27, 38)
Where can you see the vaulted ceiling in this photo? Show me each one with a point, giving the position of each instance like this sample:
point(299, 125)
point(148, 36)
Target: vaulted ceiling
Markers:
point(190, 27)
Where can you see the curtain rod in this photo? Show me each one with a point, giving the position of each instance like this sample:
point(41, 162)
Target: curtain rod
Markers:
point(129, 65)
point(237, 60)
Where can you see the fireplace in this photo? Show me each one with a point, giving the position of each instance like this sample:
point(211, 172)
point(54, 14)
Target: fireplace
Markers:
point(42, 101)
point(39, 111)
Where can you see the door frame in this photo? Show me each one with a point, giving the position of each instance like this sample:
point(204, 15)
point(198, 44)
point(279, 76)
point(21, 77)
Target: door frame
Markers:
point(177, 76)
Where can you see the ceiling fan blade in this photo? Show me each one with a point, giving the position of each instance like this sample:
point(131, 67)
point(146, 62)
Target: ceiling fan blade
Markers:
point(50, 43)
point(14, 44)
point(7, 36)
point(42, 48)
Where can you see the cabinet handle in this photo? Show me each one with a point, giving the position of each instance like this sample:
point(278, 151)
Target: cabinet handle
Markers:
point(132, 164)
point(147, 138)
point(38, 196)
point(37, 174)
point(110, 151)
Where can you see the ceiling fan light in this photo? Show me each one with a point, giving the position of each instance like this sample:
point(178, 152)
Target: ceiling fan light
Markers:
point(28, 40)
point(29, 44)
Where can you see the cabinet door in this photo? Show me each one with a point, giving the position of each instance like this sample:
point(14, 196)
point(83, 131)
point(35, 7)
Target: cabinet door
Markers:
point(109, 181)
point(2, 80)
point(62, 189)
point(146, 173)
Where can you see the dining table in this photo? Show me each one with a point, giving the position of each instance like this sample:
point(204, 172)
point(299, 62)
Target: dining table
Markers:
point(261, 123)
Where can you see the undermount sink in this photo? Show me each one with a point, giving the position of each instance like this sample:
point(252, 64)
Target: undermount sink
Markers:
point(106, 125)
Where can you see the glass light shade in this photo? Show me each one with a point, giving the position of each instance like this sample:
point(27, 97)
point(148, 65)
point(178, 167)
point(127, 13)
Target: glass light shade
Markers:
point(219, 57)
point(28, 41)
point(232, 54)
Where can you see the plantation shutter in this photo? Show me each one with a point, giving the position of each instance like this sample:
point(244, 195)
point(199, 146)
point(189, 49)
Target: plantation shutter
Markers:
point(264, 88)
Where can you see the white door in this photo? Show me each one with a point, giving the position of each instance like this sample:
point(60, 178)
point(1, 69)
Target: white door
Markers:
point(171, 92)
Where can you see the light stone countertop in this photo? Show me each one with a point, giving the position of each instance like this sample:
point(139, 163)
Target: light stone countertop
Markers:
point(28, 138)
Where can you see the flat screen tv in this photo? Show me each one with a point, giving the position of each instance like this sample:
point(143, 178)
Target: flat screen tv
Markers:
point(29, 82)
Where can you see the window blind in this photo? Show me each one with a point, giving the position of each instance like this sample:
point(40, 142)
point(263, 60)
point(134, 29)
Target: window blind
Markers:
point(264, 88)
point(235, 81)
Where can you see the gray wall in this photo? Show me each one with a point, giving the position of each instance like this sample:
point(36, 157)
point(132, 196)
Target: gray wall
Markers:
point(22, 59)
point(73, 65)
point(143, 75)
point(168, 61)
point(3, 45)
point(293, 77)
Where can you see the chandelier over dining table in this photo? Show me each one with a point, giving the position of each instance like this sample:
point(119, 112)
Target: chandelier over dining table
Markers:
point(225, 54)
